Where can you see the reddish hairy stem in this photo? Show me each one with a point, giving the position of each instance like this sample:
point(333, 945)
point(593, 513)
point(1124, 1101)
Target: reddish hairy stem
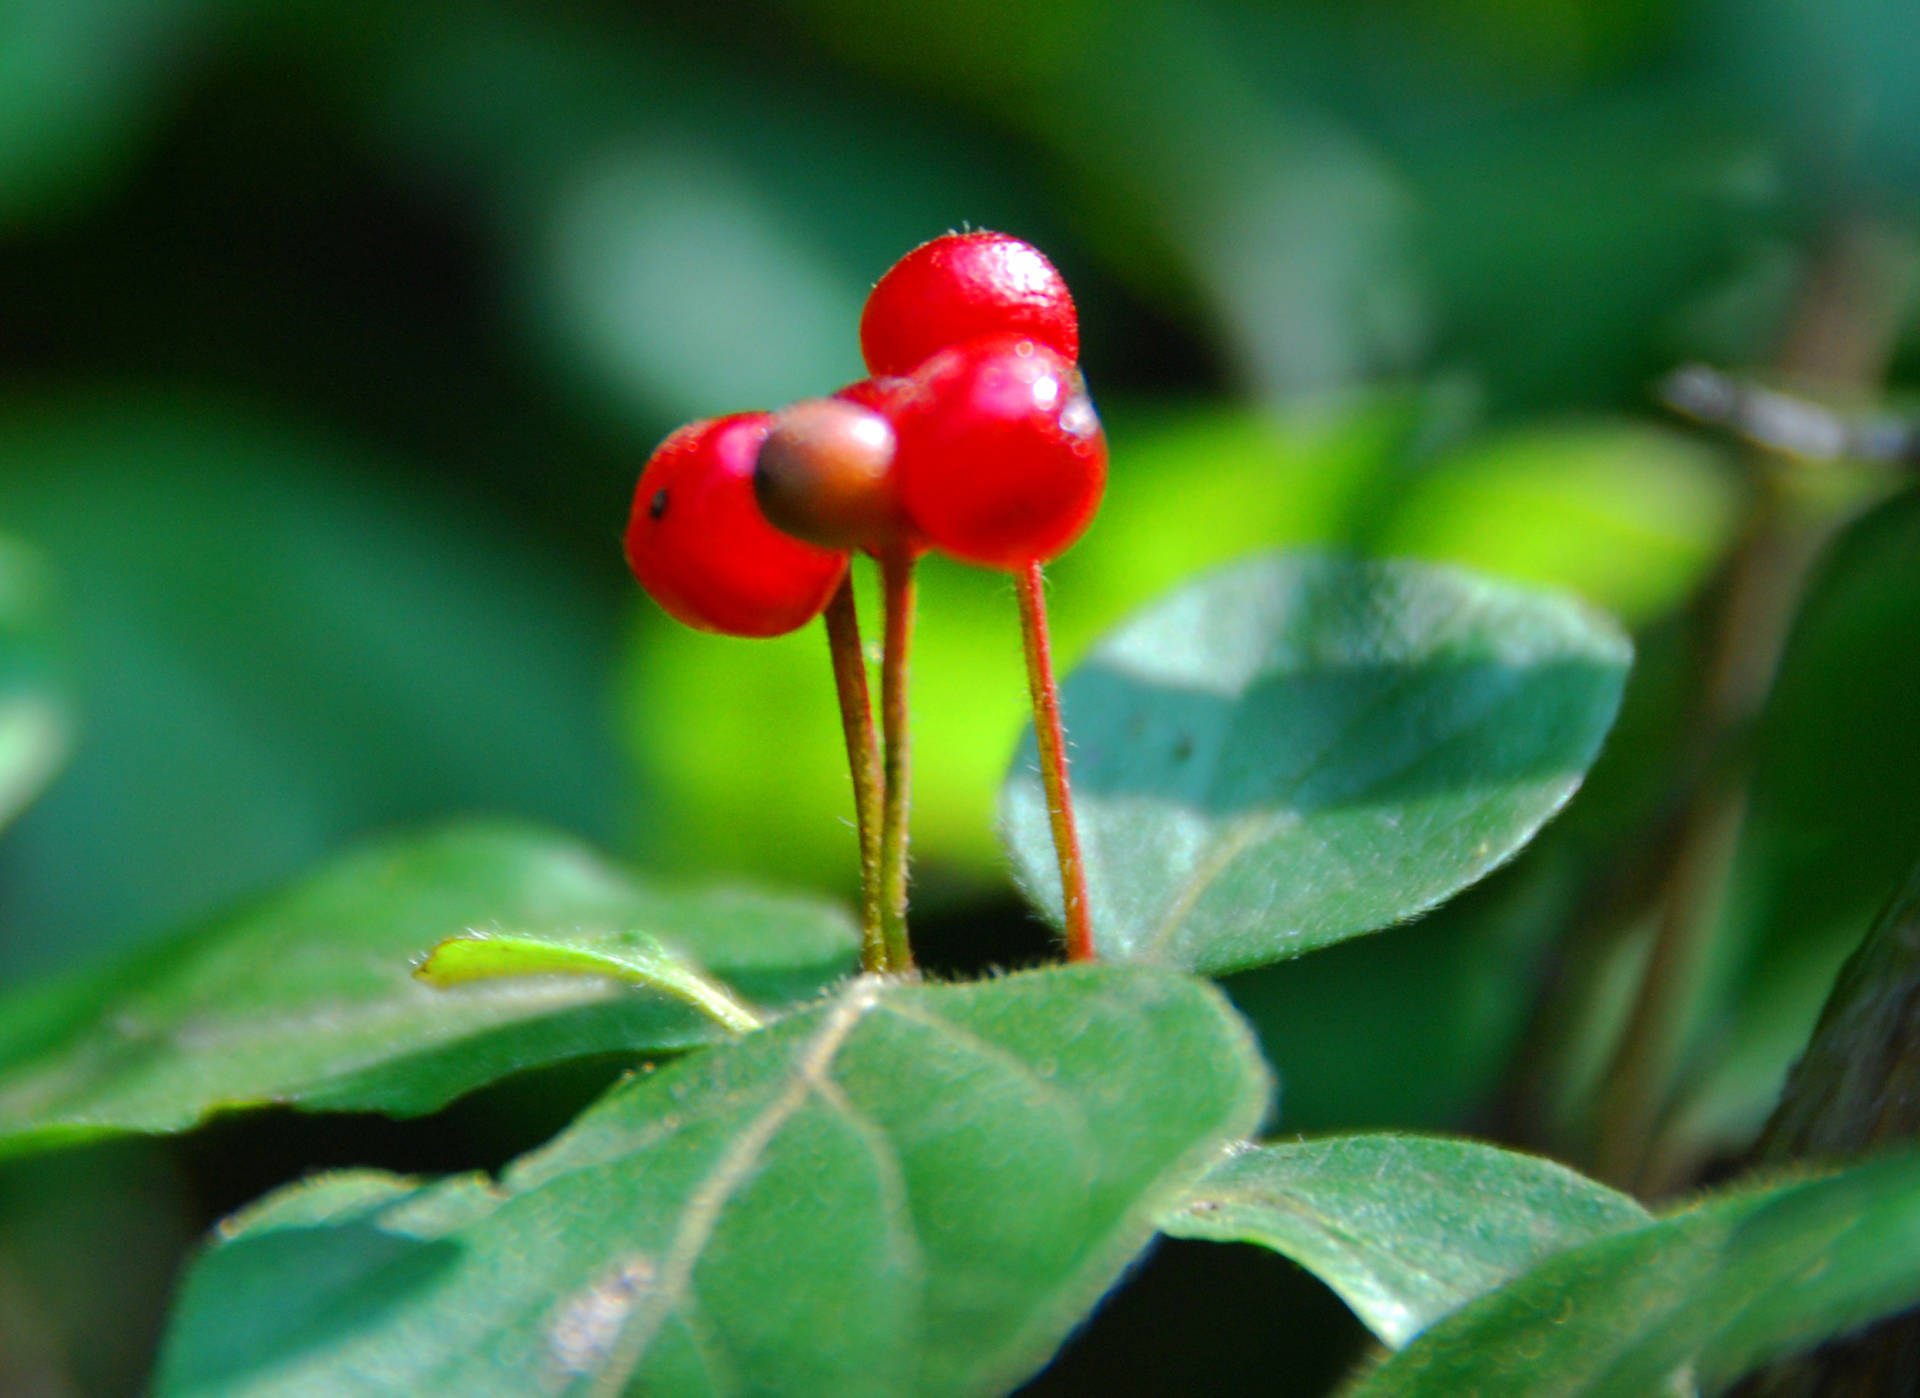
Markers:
point(896, 576)
point(863, 761)
point(1053, 760)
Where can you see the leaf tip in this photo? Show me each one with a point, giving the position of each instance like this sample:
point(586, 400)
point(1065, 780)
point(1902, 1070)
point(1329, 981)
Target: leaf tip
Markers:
point(438, 965)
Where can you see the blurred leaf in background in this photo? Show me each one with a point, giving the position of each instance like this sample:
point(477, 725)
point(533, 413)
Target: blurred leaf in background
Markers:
point(1834, 85)
point(35, 723)
point(81, 85)
point(277, 644)
point(88, 1246)
point(1194, 176)
point(1629, 517)
point(1835, 822)
point(690, 229)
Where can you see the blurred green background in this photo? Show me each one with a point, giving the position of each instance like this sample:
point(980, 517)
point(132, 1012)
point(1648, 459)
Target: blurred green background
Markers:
point(333, 336)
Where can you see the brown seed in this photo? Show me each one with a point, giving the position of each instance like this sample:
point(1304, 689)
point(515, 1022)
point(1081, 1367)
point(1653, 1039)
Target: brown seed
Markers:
point(825, 475)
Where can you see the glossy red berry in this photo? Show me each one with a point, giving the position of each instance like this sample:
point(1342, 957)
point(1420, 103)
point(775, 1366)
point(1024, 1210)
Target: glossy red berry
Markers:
point(960, 287)
point(1002, 460)
point(825, 474)
point(701, 548)
point(884, 393)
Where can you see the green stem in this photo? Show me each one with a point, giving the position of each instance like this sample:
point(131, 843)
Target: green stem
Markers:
point(1030, 584)
point(896, 576)
point(863, 761)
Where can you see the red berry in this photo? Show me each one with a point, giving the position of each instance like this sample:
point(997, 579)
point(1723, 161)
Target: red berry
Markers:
point(960, 287)
point(825, 475)
point(1001, 458)
point(884, 393)
point(701, 548)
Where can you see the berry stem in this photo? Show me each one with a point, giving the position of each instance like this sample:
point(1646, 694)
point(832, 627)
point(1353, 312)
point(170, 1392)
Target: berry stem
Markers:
point(1030, 584)
point(896, 576)
point(863, 761)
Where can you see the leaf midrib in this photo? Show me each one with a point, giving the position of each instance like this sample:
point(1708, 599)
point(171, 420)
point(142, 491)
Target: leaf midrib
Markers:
point(701, 1216)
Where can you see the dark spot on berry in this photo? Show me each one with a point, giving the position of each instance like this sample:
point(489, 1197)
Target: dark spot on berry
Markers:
point(658, 505)
point(1182, 748)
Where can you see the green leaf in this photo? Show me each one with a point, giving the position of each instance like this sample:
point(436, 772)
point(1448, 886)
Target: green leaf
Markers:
point(1686, 1304)
point(1299, 749)
point(1405, 1228)
point(309, 999)
point(909, 1190)
point(640, 961)
point(34, 726)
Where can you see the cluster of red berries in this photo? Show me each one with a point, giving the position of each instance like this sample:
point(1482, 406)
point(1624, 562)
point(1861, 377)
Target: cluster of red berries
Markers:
point(974, 437)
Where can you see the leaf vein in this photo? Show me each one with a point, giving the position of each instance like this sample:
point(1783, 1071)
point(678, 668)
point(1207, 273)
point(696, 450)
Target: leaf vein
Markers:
point(1011, 1062)
point(888, 1167)
point(701, 1217)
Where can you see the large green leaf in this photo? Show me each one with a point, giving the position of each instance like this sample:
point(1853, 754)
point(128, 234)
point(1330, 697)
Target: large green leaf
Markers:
point(909, 1190)
point(1684, 1305)
point(33, 716)
point(309, 998)
point(1405, 1228)
point(1300, 749)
